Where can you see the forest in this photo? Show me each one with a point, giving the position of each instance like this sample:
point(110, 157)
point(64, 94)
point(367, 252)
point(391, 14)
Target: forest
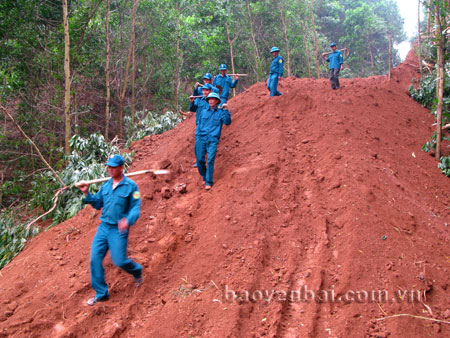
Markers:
point(134, 55)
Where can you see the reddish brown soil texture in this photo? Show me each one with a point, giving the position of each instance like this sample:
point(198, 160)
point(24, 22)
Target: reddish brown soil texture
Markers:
point(316, 189)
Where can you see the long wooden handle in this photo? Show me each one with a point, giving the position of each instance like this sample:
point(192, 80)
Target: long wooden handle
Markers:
point(141, 172)
point(342, 50)
point(238, 74)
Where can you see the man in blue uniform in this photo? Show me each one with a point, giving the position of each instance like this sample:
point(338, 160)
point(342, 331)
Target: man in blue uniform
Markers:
point(120, 199)
point(207, 78)
point(336, 65)
point(198, 102)
point(225, 82)
point(207, 134)
point(276, 72)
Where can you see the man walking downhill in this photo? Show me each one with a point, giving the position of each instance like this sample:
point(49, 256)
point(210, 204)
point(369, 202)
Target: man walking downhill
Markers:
point(276, 72)
point(120, 199)
point(225, 82)
point(207, 78)
point(336, 65)
point(207, 135)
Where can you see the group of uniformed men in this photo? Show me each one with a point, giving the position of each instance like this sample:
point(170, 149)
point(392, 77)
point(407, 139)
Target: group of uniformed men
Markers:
point(119, 197)
point(209, 102)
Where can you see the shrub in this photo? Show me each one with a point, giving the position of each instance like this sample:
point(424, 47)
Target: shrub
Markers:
point(13, 236)
point(148, 123)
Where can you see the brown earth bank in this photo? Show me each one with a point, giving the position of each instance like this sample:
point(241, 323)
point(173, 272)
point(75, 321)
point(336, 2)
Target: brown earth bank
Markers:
point(316, 191)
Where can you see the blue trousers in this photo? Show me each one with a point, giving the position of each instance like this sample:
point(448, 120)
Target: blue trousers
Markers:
point(334, 77)
point(272, 85)
point(109, 238)
point(223, 100)
point(203, 146)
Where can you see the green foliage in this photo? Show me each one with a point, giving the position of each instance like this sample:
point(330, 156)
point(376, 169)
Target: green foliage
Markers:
point(430, 145)
point(13, 235)
point(86, 162)
point(425, 94)
point(149, 123)
point(445, 165)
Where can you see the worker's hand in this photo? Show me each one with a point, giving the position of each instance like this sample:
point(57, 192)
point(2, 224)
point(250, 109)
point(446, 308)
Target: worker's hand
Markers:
point(279, 78)
point(197, 84)
point(123, 225)
point(191, 98)
point(237, 77)
point(84, 188)
point(224, 106)
point(342, 67)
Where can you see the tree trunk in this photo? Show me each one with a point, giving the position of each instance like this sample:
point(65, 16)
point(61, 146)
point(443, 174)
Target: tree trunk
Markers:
point(255, 46)
point(390, 58)
point(230, 44)
point(125, 77)
point(177, 55)
point(372, 63)
point(281, 8)
point(67, 134)
point(133, 79)
point(305, 42)
point(316, 40)
point(439, 81)
point(428, 17)
point(419, 38)
point(108, 90)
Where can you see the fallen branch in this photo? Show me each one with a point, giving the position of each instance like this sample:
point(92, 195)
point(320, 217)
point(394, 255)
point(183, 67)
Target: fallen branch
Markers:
point(32, 143)
point(418, 317)
point(52, 208)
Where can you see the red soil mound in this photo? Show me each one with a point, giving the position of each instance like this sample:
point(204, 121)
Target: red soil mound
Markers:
point(315, 190)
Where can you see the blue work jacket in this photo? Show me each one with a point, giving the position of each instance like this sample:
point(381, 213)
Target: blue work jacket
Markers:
point(335, 59)
point(277, 66)
point(210, 121)
point(122, 202)
point(226, 82)
point(198, 103)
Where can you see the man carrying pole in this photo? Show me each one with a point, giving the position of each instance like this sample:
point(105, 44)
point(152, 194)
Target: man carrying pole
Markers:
point(336, 65)
point(225, 82)
point(207, 78)
point(207, 135)
point(197, 102)
point(120, 199)
point(276, 72)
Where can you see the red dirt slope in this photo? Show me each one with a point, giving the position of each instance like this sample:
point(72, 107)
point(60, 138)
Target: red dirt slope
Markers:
point(315, 190)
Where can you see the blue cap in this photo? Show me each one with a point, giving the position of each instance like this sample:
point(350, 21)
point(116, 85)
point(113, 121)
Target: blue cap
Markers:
point(207, 86)
point(275, 49)
point(115, 161)
point(222, 66)
point(207, 76)
point(213, 95)
point(333, 44)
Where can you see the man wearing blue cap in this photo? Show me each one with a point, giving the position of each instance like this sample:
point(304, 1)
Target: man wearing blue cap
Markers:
point(336, 65)
point(198, 102)
point(276, 72)
point(225, 82)
point(207, 78)
point(120, 199)
point(207, 135)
